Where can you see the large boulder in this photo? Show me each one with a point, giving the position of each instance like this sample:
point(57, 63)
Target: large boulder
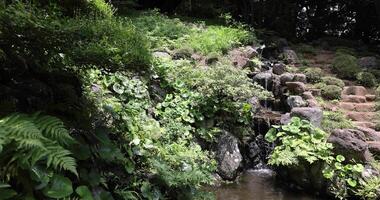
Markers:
point(295, 101)
point(296, 88)
point(368, 62)
point(279, 68)
point(228, 156)
point(289, 56)
point(351, 144)
point(286, 77)
point(265, 79)
point(314, 115)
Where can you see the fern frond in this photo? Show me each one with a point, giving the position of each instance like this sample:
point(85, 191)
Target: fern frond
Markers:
point(53, 128)
point(60, 158)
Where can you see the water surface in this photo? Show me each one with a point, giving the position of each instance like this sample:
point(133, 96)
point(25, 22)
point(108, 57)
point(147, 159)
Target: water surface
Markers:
point(258, 185)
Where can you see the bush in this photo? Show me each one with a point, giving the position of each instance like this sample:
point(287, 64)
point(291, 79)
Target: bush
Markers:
point(331, 92)
point(216, 39)
point(345, 66)
point(366, 79)
point(335, 120)
point(313, 75)
point(330, 80)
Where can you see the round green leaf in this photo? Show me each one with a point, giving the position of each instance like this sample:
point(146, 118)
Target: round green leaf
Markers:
point(59, 187)
point(118, 88)
point(271, 135)
point(84, 193)
point(351, 182)
point(358, 168)
point(340, 158)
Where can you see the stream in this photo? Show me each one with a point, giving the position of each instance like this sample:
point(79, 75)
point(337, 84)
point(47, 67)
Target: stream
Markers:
point(258, 185)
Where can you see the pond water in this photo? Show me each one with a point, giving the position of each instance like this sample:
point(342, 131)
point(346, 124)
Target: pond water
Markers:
point(258, 185)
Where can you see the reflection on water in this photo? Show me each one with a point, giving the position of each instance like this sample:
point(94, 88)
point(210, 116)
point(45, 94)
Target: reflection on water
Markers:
point(258, 185)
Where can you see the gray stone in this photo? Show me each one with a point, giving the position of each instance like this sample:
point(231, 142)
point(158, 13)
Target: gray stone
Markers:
point(285, 118)
point(286, 77)
point(290, 56)
point(296, 101)
point(299, 78)
point(296, 88)
point(314, 115)
point(279, 68)
point(228, 156)
point(264, 79)
point(368, 62)
point(351, 144)
point(161, 54)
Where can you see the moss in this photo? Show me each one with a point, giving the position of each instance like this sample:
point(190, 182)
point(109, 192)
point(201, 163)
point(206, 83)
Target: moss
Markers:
point(335, 120)
point(346, 66)
point(366, 79)
point(330, 80)
point(331, 92)
point(313, 75)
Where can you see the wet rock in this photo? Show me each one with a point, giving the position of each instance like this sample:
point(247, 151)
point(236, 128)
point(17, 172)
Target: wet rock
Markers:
point(299, 78)
point(264, 79)
point(286, 77)
point(296, 101)
point(314, 115)
point(277, 89)
point(351, 144)
point(228, 156)
point(296, 88)
point(255, 103)
point(368, 62)
point(161, 54)
point(279, 68)
point(289, 56)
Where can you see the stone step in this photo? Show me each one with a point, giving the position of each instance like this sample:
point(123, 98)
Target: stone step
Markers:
point(354, 98)
point(359, 107)
point(370, 97)
point(354, 90)
point(361, 116)
point(364, 124)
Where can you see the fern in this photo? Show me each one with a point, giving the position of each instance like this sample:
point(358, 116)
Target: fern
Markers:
point(27, 140)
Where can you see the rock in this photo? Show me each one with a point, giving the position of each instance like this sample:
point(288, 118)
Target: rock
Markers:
point(286, 77)
point(264, 79)
point(370, 134)
point(228, 156)
point(354, 90)
point(299, 78)
point(316, 92)
point(289, 56)
point(312, 103)
point(354, 99)
point(361, 116)
point(295, 101)
point(370, 97)
point(240, 57)
point(374, 148)
point(161, 54)
point(368, 62)
point(255, 103)
point(279, 68)
point(276, 86)
point(313, 115)
point(308, 96)
point(296, 88)
point(365, 124)
point(285, 118)
point(351, 144)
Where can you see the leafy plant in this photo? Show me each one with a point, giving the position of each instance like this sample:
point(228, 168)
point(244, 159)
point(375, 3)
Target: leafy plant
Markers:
point(345, 66)
point(369, 189)
point(335, 120)
point(313, 75)
point(331, 92)
point(366, 79)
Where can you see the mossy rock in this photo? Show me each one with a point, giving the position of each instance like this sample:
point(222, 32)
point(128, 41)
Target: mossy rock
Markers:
point(331, 92)
point(330, 80)
point(346, 66)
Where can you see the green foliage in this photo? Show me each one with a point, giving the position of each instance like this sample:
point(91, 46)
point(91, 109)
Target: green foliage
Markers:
point(335, 120)
point(330, 80)
point(331, 92)
point(36, 146)
point(313, 75)
point(345, 66)
point(100, 8)
point(215, 39)
point(369, 189)
point(366, 79)
point(300, 141)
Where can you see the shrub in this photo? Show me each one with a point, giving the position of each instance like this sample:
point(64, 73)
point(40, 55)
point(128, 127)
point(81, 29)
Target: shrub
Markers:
point(366, 79)
point(346, 51)
point(331, 92)
point(335, 120)
point(345, 66)
point(217, 39)
point(330, 80)
point(313, 75)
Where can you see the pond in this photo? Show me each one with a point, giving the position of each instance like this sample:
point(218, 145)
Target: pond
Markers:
point(258, 185)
